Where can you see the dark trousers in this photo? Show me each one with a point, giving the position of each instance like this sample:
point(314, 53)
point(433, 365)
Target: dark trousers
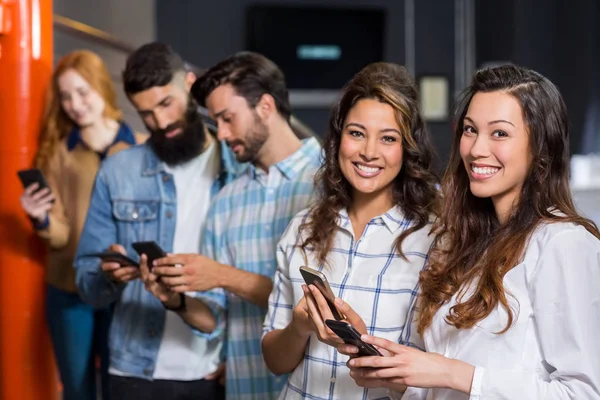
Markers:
point(124, 388)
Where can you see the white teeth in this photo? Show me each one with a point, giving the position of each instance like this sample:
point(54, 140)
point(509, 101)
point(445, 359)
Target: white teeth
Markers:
point(369, 170)
point(485, 170)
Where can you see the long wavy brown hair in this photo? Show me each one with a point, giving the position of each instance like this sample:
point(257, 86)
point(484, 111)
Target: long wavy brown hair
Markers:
point(56, 125)
point(470, 245)
point(413, 189)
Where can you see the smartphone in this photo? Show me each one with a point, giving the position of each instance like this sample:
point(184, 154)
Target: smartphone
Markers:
point(151, 249)
point(30, 176)
point(110, 256)
point(349, 335)
point(314, 277)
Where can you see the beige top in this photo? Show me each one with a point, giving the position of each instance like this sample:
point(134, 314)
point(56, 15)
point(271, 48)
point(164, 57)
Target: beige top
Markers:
point(70, 176)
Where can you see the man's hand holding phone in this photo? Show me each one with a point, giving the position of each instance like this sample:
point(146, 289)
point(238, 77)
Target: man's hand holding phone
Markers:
point(117, 272)
point(157, 288)
point(194, 272)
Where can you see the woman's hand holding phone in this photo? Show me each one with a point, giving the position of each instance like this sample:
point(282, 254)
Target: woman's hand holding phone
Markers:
point(301, 324)
point(319, 311)
point(37, 203)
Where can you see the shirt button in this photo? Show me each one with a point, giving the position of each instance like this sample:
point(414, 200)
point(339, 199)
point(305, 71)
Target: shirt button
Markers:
point(135, 215)
point(147, 371)
point(332, 380)
point(268, 228)
point(165, 178)
point(169, 214)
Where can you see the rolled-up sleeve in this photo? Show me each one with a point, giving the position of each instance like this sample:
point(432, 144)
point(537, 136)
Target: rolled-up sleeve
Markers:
point(214, 247)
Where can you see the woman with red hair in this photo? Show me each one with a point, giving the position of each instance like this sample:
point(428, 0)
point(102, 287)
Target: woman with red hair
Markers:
point(81, 126)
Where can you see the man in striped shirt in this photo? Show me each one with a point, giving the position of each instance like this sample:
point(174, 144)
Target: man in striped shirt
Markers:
point(247, 97)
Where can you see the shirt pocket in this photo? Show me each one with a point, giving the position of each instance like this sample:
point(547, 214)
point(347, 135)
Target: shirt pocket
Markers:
point(136, 220)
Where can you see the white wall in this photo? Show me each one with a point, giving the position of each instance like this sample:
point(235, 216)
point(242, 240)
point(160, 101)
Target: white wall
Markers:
point(132, 21)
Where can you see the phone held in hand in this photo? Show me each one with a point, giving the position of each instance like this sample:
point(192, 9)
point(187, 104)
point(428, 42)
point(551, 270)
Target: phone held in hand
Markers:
point(111, 256)
point(33, 175)
point(151, 249)
point(314, 277)
point(351, 336)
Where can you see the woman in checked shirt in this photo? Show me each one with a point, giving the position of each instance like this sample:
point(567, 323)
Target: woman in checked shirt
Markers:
point(368, 232)
point(511, 299)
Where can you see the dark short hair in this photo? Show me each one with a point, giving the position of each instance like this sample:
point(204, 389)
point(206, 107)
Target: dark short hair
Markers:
point(251, 75)
point(153, 64)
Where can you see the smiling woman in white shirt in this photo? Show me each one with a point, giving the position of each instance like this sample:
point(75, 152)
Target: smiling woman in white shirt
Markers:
point(510, 305)
point(367, 232)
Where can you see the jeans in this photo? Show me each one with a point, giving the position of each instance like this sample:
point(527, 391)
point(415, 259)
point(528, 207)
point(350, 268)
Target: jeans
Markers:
point(78, 333)
point(125, 388)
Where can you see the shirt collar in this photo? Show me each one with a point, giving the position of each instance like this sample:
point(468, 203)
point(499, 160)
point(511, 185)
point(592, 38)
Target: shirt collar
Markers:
point(295, 163)
point(393, 219)
point(124, 134)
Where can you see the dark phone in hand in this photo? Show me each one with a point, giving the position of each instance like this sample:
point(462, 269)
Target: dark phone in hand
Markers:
point(110, 256)
point(349, 335)
point(33, 175)
point(151, 249)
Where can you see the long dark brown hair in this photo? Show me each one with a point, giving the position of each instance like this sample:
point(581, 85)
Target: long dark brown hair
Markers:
point(470, 244)
point(414, 189)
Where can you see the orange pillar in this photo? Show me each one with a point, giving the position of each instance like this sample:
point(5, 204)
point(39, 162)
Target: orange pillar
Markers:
point(27, 369)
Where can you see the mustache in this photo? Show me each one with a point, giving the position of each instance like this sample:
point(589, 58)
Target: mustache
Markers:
point(171, 127)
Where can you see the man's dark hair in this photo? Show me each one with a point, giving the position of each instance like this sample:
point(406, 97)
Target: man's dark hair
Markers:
point(251, 75)
point(153, 64)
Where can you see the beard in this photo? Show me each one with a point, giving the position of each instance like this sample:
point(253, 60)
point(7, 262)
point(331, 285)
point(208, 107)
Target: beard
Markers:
point(253, 141)
point(185, 146)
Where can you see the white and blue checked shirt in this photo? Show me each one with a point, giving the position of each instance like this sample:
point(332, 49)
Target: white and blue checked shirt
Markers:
point(366, 273)
point(244, 224)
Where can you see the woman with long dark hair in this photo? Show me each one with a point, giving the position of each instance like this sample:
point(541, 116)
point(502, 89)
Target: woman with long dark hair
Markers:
point(367, 231)
point(510, 305)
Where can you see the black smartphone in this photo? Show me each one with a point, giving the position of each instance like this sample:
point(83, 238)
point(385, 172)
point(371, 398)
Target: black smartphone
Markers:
point(151, 249)
point(30, 176)
point(314, 277)
point(349, 335)
point(111, 256)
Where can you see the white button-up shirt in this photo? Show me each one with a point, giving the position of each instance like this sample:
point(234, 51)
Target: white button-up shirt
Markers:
point(552, 351)
point(371, 277)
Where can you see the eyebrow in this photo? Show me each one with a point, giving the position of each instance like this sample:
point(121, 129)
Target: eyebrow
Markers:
point(167, 97)
point(219, 114)
point(381, 131)
point(493, 122)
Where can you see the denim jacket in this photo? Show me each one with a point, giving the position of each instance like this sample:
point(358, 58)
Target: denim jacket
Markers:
point(133, 199)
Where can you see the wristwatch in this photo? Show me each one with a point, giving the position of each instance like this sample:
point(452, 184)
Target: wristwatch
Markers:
point(180, 307)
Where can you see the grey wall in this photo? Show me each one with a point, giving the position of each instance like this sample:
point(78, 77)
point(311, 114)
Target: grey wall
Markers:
point(558, 38)
point(205, 32)
point(133, 21)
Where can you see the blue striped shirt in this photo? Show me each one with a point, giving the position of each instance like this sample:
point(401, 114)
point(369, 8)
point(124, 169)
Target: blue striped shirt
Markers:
point(244, 224)
point(370, 276)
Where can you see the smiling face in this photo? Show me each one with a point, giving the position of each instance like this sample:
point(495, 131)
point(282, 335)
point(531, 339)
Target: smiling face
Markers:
point(370, 155)
point(82, 104)
point(494, 148)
